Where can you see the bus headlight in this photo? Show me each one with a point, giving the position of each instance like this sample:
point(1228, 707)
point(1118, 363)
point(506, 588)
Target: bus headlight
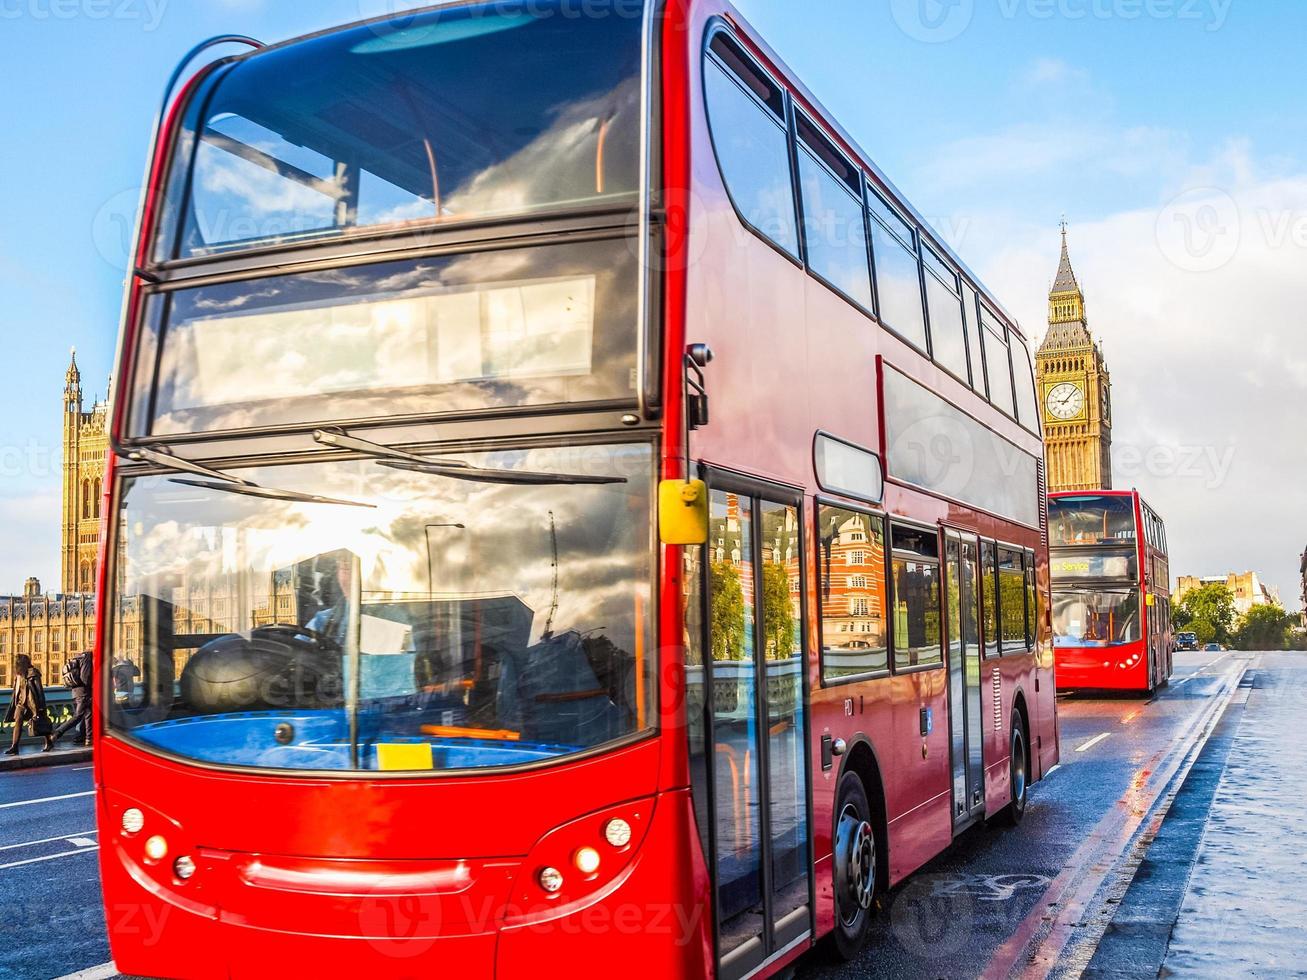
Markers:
point(133, 821)
point(184, 867)
point(617, 832)
point(550, 879)
point(586, 860)
point(156, 848)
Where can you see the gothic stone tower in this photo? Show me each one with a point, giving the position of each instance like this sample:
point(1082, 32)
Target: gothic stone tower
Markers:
point(85, 446)
point(1076, 389)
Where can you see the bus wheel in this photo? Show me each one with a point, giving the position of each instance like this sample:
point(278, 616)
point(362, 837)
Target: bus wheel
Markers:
point(855, 867)
point(1017, 776)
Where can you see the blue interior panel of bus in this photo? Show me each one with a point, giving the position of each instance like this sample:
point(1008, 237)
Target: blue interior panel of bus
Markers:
point(320, 740)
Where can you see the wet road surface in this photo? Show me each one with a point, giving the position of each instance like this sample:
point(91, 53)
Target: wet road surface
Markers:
point(1034, 901)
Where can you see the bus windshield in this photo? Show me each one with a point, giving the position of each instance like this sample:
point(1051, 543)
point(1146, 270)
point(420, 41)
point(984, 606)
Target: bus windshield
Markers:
point(1090, 520)
point(466, 112)
point(1095, 619)
point(445, 617)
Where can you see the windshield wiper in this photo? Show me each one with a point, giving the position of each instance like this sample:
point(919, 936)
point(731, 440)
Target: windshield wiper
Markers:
point(397, 459)
point(269, 493)
point(218, 480)
point(165, 458)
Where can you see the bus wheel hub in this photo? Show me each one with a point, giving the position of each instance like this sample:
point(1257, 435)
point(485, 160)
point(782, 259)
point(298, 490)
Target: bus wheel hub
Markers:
point(856, 856)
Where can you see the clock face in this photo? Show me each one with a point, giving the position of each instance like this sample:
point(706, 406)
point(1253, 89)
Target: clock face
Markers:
point(1066, 401)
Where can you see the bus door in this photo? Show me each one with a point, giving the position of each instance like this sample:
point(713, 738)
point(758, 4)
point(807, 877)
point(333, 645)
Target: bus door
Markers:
point(746, 703)
point(962, 552)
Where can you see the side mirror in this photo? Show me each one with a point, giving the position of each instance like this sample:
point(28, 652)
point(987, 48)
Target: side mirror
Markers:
point(683, 512)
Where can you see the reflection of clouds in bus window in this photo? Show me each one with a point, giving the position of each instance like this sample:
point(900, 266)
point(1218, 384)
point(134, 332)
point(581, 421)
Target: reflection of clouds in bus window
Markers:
point(589, 151)
point(405, 133)
point(516, 327)
point(409, 544)
point(245, 200)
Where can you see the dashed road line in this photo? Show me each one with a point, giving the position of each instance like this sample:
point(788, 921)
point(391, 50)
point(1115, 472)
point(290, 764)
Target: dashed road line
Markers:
point(79, 834)
point(1092, 742)
point(101, 972)
point(51, 857)
point(46, 799)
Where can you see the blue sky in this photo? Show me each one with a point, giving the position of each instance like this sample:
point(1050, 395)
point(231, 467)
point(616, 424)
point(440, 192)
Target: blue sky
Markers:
point(1141, 120)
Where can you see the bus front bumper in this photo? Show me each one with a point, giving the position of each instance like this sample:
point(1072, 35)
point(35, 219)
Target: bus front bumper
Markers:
point(1122, 668)
point(253, 915)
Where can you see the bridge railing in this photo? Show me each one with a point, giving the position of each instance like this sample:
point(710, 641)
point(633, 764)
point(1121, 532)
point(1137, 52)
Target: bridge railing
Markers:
point(58, 701)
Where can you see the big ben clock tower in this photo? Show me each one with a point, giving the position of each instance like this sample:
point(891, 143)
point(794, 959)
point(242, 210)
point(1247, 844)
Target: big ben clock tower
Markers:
point(1076, 389)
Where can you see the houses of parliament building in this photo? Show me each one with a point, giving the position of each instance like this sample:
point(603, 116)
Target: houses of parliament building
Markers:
point(51, 627)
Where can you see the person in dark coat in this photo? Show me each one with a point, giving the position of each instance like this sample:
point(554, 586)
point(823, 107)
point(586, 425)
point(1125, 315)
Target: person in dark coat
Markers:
point(79, 676)
point(28, 702)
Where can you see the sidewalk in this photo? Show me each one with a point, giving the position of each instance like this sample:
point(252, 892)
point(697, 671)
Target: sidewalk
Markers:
point(1246, 903)
point(31, 757)
point(1222, 890)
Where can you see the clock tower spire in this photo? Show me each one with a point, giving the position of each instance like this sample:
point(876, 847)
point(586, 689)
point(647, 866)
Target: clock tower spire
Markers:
point(1076, 388)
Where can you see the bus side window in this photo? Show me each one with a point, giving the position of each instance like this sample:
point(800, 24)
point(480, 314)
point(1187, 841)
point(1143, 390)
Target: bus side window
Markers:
point(915, 574)
point(898, 273)
point(1027, 397)
point(989, 611)
point(746, 114)
point(834, 224)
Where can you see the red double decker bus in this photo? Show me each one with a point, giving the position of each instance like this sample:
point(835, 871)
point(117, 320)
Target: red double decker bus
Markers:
point(1111, 592)
point(569, 513)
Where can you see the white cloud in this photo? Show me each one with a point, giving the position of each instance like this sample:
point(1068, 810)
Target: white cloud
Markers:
point(34, 549)
point(1192, 262)
point(1208, 367)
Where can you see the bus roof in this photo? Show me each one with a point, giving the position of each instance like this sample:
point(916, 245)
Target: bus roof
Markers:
point(775, 64)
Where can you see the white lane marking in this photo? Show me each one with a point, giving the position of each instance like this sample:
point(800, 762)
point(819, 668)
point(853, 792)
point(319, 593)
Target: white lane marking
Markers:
point(101, 972)
point(81, 768)
point(50, 857)
point(1206, 667)
point(81, 842)
point(47, 799)
point(49, 840)
point(1092, 742)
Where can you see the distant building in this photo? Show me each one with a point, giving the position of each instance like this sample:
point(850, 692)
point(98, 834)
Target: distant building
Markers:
point(1247, 588)
point(48, 628)
point(86, 448)
point(1076, 389)
point(54, 627)
point(1303, 570)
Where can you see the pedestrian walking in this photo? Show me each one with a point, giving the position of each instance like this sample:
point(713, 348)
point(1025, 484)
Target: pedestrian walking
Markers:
point(79, 677)
point(27, 706)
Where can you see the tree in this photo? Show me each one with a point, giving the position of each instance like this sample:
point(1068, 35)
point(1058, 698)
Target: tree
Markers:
point(780, 641)
point(1207, 611)
point(1263, 628)
point(726, 612)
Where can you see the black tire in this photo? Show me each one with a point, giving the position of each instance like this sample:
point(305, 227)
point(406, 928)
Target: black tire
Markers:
point(855, 868)
point(1018, 774)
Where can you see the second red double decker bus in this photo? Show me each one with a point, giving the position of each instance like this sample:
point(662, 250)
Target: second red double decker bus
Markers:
point(569, 514)
point(1111, 592)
